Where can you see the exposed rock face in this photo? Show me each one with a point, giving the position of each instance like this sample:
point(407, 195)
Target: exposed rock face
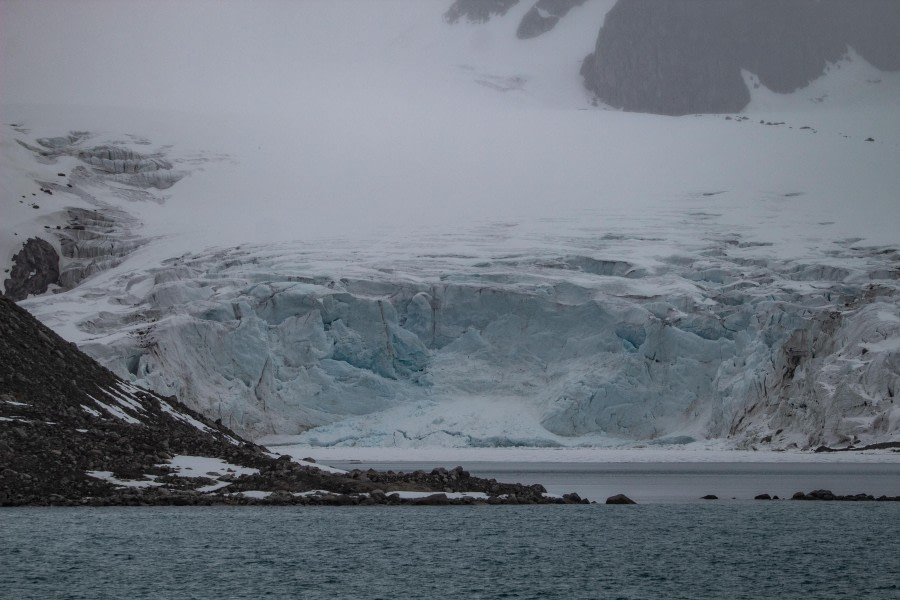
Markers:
point(477, 11)
point(685, 56)
point(62, 414)
point(543, 16)
point(35, 268)
point(871, 28)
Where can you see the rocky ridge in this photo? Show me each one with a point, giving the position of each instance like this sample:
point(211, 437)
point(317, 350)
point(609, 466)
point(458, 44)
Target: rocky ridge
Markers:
point(682, 56)
point(72, 433)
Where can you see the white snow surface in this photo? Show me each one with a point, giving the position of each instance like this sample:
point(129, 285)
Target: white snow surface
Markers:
point(397, 232)
point(115, 411)
point(185, 465)
point(136, 483)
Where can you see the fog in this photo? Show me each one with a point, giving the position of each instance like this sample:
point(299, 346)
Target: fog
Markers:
point(330, 117)
point(221, 56)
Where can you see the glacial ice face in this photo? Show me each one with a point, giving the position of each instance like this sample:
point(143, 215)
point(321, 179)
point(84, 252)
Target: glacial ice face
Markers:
point(531, 349)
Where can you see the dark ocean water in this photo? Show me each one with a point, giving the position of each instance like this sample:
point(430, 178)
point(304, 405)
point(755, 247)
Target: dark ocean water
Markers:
point(782, 549)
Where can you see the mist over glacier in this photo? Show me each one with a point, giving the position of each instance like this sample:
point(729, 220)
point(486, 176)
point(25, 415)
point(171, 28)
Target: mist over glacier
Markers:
point(397, 231)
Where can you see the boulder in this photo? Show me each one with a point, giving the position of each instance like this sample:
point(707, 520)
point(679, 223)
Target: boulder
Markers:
point(620, 499)
point(35, 268)
point(432, 500)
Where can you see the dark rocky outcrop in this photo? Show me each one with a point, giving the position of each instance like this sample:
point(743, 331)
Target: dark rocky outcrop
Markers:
point(895, 446)
point(35, 268)
point(477, 11)
point(72, 433)
point(685, 56)
point(52, 430)
point(443, 480)
point(543, 16)
point(828, 495)
point(620, 499)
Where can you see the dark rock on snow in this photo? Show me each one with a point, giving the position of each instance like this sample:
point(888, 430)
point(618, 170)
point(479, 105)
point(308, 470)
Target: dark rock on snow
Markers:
point(35, 268)
point(895, 446)
point(477, 11)
point(62, 416)
point(685, 56)
point(543, 16)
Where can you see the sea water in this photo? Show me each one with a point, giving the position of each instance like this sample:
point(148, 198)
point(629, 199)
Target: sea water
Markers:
point(783, 549)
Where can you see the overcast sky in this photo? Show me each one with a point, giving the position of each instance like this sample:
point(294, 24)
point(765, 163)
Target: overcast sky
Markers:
point(198, 54)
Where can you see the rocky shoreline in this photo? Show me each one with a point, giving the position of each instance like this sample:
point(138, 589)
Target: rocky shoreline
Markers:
point(825, 495)
point(285, 482)
point(893, 446)
point(828, 496)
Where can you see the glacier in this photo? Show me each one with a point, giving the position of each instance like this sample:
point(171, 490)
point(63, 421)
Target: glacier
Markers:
point(437, 239)
point(524, 349)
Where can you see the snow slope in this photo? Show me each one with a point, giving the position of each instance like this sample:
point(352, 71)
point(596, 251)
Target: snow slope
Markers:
point(393, 231)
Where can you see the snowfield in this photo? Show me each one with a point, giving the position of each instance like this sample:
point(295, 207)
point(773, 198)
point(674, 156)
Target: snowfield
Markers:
point(423, 235)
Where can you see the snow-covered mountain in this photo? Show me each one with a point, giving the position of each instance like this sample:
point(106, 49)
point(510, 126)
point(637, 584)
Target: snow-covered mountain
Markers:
point(377, 224)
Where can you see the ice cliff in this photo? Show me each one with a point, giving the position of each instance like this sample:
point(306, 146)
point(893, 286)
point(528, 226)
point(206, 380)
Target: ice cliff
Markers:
point(528, 349)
